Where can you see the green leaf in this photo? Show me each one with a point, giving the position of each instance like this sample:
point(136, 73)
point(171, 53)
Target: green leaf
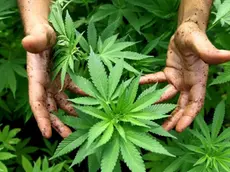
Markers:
point(6, 156)
point(161, 132)
point(117, 47)
point(221, 79)
point(58, 167)
point(83, 152)
point(198, 168)
point(121, 131)
point(73, 141)
point(198, 135)
point(56, 19)
point(69, 26)
point(103, 12)
point(63, 73)
point(194, 149)
point(200, 160)
point(134, 121)
point(3, 167)
point(83, 43)
point(110, 29)
point(98, 74)
point(93, 111)
point(108, 43)
point(147, 100)
point(114, 77)
point(151, 45)
point(148, 91)
point(203, 126)
point(85, 101)
point(145, 141)
point(175, 165)
point(224, 165)
point(27, 166)
point(110, 155)
point(223, 13)
point(45, 164)
point(132, 157)
point(76, 123)
point(84, 85)
point(218, 119)
point(132, 19)
point(106, 135)
point(117, 167)
point(145, 115)
point(128, 55)
point(97, 130)
point(93, 163)
point(130, 68)
point(224, 135)
point(92, 35)
point(10, 75)
point(161, 109)
point(132, 91)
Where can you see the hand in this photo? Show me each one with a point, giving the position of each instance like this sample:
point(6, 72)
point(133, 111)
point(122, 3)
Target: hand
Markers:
point(186, 71)
point(44, 95)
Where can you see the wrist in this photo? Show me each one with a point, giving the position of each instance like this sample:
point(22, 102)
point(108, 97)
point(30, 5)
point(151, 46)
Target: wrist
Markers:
point(195, 11)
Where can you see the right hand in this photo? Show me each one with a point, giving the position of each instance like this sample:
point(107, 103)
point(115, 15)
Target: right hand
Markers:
point(44, 95)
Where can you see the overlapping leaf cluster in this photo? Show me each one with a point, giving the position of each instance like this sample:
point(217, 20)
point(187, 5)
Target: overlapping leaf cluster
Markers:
point(205, 148)
point(114, 120)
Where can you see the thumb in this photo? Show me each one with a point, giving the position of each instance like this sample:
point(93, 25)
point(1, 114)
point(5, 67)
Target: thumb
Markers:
point(201, 46)
point(40, 38)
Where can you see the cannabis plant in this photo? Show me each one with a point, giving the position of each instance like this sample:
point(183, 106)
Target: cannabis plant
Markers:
point(204, 148)
point(7, 143)
point(7, 7)
point(72, 47)
point(41, 165)
point(113, 120)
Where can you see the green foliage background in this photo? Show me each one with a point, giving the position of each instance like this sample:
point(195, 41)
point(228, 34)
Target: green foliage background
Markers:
point(138, 34)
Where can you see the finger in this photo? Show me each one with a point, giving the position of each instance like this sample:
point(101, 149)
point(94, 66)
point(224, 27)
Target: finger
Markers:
point(206, 50)
point(61, 128)
point(41, 38)
point(171, 122)
point(63, 103)
point(196, 101)
point(168, 94)
point(51, 104)
point(153, 78)
point(37, 76)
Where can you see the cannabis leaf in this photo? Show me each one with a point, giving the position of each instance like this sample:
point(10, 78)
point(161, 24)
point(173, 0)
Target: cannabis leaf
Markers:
point(222, 78)
point(116, 112)
point(223, 13)
point(66, 50)
point(9, 69)
point(7, 8)
point(160, 8)
point(41, 165)
point(203, 147)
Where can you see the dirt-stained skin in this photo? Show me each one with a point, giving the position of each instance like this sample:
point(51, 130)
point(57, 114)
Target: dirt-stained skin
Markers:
point(186, 70)
point(45, 96)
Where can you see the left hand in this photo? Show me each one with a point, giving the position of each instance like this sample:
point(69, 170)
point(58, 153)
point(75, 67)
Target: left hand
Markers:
point(186, 71)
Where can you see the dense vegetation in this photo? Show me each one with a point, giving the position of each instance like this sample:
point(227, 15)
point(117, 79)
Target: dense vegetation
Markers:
point(117, 127)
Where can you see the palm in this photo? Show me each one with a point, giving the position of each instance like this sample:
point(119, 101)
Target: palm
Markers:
point(186, 72)
point(44, 95)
